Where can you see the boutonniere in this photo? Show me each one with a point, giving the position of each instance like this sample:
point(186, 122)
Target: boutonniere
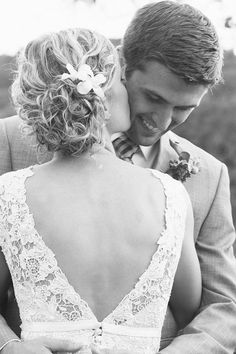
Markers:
point(184, 166)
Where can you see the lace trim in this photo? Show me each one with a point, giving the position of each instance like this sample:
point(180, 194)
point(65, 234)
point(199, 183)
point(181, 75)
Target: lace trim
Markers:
point(152, 291)
point(42, 290)
point(44, 293)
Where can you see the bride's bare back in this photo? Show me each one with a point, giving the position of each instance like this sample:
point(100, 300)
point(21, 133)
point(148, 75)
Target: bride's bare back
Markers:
point(101, 217)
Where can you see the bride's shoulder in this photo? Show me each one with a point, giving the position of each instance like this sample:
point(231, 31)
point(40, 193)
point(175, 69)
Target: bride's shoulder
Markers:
point(171, 186)
point(7, 180)
point(165, 178)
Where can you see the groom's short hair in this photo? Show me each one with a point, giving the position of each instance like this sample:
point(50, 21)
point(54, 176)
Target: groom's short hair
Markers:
point(179, 37)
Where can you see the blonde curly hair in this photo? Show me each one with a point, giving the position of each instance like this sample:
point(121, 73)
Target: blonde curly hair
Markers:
point(61, 118)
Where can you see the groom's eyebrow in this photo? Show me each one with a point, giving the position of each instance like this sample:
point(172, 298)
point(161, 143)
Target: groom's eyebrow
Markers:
point(158, 97)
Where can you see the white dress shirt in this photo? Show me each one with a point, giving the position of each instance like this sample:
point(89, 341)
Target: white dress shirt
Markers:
point(148, 156)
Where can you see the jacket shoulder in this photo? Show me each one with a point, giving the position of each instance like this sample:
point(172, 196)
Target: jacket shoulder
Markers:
point(11, 125)
point(22, 147)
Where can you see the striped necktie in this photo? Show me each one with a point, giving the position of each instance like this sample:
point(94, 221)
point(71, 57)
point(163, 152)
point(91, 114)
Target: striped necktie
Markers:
point(125, 148)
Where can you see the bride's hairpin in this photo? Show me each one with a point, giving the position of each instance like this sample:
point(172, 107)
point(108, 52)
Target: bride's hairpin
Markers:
point(87, 80)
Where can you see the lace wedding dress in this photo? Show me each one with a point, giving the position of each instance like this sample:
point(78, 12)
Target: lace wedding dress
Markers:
point(50, 306)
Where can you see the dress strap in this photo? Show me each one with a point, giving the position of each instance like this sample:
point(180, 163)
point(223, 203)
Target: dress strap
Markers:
point(176, 206)
point(12, 194)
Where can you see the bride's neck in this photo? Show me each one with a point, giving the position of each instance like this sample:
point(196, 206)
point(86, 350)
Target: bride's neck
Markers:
point(95, 150)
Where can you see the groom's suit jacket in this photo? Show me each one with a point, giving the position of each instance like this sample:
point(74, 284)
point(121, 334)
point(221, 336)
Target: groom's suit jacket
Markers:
point(213, 329)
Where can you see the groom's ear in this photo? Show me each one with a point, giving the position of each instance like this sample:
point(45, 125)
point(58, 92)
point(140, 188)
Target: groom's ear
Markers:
point(121, 60)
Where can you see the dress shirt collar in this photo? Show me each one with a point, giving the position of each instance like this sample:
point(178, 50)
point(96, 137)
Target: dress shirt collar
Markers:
point(159, 154)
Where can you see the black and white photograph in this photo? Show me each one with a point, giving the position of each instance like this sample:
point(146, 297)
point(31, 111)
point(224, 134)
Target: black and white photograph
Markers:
point(118, 177)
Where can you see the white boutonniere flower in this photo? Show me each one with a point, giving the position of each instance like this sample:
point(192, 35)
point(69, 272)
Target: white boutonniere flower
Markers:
point(184, 166)
point(86, 78)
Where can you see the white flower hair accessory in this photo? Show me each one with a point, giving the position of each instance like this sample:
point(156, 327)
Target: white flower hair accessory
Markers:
point(87, 80)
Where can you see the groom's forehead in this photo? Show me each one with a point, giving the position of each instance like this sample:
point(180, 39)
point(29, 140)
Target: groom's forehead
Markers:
point(151, 77)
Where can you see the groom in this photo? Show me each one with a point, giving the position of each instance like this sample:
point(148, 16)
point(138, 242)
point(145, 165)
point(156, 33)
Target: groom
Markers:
point(172, 57)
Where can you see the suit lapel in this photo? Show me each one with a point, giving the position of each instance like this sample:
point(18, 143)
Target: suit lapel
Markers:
point(166, 153)
point(192, 185)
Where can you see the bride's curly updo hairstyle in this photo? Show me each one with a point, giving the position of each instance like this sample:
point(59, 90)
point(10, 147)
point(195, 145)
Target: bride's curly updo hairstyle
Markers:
point(60, 116)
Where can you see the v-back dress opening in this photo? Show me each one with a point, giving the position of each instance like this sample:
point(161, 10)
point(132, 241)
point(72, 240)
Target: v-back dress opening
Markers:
point(49, 304)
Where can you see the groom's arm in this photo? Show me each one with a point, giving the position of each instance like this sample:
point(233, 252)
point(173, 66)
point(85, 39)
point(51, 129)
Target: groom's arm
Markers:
point(5, 153)
point(213, 330)
point(6, 334)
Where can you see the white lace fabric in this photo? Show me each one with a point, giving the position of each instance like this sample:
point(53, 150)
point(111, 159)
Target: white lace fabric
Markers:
point(49, 305)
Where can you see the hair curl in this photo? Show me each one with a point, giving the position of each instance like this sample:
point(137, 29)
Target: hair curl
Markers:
point(177, 36)
point(61, 118)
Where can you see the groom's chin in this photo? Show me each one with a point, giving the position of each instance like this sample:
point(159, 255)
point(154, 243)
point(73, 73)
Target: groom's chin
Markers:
point(144, 140)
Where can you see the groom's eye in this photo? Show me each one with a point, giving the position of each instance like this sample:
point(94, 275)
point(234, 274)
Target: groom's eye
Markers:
point(183, 109)
point(154, 99)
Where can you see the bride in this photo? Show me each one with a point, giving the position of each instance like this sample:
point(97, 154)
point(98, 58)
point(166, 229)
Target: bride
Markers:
point(91, 242)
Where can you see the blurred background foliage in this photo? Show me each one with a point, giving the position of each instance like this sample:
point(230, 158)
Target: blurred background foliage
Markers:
point(212, 126)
